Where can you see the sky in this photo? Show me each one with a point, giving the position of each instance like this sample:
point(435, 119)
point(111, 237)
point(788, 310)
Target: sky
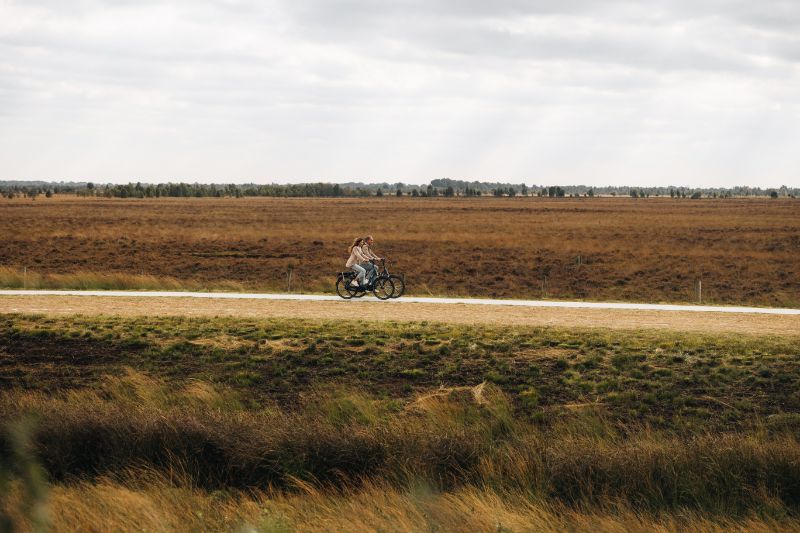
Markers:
point(702, 93)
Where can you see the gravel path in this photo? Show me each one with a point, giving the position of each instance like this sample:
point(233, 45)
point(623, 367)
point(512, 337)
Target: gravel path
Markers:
point(462, 311)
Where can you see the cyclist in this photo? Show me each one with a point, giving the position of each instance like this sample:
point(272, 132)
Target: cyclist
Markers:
point(366, 250)
point(355, 261)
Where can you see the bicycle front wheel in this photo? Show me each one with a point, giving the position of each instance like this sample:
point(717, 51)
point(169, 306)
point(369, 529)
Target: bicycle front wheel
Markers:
point(399, 285)
point(383, 288)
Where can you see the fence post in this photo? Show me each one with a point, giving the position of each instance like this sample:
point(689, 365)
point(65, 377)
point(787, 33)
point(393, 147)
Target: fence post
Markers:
point(289, 270)
point(700, 291)
point(24, 277)
point(544, 287)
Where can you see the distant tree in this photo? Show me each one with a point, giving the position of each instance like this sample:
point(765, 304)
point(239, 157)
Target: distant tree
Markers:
point(634, 193)
point(696, 195)
point(414, 192)
point(449, 191)
point(398, 193)
point(773, 194)
point(560, 192)
point(523, 190)
point(672, 193)
point(380, 192)
point(511, 192)
point(591, 193)
point(49, 193)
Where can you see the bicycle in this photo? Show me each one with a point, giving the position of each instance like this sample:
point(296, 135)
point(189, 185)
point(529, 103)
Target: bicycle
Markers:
point(399, 280)
point(380, 285)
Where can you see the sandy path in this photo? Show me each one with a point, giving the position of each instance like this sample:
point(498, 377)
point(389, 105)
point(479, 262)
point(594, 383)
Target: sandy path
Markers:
point(452, 313)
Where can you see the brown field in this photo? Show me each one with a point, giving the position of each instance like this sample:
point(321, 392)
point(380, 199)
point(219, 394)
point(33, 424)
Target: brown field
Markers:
point(745, 251)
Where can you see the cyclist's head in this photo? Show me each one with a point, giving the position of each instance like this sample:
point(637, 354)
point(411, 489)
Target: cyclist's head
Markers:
point(369, 240)
point(356, 242)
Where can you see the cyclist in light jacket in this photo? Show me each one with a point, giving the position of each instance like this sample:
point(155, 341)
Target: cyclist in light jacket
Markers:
point(355, 261)
point(366, 249)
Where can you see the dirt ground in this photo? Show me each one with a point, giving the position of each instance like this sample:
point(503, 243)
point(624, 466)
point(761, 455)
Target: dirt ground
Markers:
point(745, 251)
point(744, 323)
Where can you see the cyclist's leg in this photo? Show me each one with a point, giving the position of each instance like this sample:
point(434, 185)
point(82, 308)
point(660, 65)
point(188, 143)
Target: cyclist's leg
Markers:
point(371, 271)
point(360, 273)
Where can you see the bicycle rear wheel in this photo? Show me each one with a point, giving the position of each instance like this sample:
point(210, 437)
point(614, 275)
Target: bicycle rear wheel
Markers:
point(342, 289)
point(399, 285)
point(383, 288)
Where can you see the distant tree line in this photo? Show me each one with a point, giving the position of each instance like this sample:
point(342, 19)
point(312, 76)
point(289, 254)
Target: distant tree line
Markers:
point(437, 187)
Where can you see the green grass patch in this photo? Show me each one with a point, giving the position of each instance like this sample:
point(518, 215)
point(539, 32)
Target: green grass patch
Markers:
point(665, 379)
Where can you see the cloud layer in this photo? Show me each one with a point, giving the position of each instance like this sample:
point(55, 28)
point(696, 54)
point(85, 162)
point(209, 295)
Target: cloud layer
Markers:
point(694, 93)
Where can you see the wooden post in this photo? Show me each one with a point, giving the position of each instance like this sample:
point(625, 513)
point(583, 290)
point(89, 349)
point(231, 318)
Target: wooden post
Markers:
point(700, 291)
point(544, 287)
point(24, 277)
point(289, 271)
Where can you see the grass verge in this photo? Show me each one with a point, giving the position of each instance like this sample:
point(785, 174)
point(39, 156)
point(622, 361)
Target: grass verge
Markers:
point(663, 379)
point(14, 278)
point(297, 425)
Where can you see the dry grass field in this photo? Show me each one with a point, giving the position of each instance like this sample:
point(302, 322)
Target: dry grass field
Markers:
point(745, 251)
point(244, 424)
point(143, 414)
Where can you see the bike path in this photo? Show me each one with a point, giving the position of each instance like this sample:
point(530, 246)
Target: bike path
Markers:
point(410, 299)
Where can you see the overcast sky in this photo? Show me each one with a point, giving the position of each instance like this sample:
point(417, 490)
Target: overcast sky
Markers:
point(694, 92)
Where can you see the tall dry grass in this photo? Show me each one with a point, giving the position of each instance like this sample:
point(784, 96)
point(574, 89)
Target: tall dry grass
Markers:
point(144, 501)
point(453, 441)
point(16, 278)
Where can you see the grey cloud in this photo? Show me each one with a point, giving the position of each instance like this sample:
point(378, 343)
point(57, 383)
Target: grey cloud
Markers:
point(642, 40)
point(469, 88)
